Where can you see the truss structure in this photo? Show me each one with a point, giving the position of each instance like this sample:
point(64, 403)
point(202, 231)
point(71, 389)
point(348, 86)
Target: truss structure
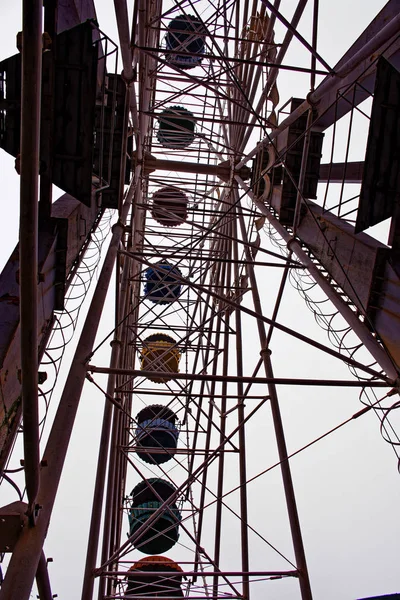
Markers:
point(228, 204)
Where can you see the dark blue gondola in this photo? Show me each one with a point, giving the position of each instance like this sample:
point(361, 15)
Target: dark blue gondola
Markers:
point(156, 430)
point(161, 283)
point(186, 35)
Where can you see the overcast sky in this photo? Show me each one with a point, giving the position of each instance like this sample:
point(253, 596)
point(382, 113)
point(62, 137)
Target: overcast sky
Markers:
point(347, 485)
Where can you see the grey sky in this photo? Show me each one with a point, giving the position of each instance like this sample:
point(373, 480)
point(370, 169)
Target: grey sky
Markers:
point(347, 485)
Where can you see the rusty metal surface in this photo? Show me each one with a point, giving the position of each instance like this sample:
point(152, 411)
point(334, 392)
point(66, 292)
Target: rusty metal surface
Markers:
point(350, 259)
point(386, 313)
point(10, 365)
point(73, 12)
point(12, 520)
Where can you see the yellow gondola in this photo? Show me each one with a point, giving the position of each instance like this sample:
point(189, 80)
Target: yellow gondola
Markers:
point(159, 353)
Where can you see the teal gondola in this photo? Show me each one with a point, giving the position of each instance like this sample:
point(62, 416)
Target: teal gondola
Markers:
point(163, 533)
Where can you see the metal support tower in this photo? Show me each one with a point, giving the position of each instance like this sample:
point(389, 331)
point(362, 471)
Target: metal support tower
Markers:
point(232, 196)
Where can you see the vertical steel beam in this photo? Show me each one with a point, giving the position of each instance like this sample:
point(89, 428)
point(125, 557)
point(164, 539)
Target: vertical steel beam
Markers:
point(28, 244)
point(106, 435)
point(47, 110)
point(112, 504)
point(298, 546)
point(110, 495)
point(42, 579)
point(314, 44)
point(220, 247)
point(225, 286)
point(95, 521)
point(242, 435)
point(121, 15)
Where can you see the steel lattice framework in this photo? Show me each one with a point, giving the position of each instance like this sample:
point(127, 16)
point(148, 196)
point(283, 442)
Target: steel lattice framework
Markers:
point(205, 353)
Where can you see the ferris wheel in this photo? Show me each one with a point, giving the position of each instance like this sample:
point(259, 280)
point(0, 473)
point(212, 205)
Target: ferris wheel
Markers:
point(253, 319)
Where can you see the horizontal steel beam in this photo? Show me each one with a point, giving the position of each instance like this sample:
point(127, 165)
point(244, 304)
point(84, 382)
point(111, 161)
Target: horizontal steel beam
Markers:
point(236, 379)
point(222, 170)
point(245, 61)
point(168, 574)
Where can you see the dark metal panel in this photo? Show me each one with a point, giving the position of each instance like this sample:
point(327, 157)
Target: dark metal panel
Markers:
point(113, 140)
point(285, 175)
point(381, 178)
point(350, 172)
point(75, 97)
point(129, 150)
point(9, 302)
point(290, 144)
point(12, 520)
point(74, 222)
point(74, 101)
point(10, 104)
point(386, 311)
